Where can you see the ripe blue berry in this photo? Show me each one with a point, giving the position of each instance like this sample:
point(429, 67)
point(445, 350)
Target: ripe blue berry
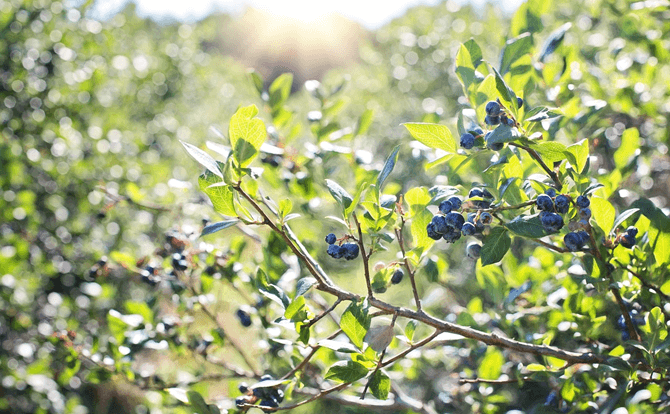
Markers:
point(552, 398)
point(492, 120)
point(627, 241)
point(492, 108)
point(473, 250)
point(485, 218)
point(244, 318)
point(455, 203)
point(551, 222)
point(582, 201)
point(544, 202)
point(350, 251)
point(240, 401)
point(632, 231)
point(476, 192)
point(478, 131)
point(550, 192)
point(519, 102)
point(446, 207)
point(625, 336)
point(573, 242)
point(468, 229)
point(440, 223)
point(432, 232)
point(397, 276)
point(270, 402)
point(452, 236)
point(585, 213)
point(584, 236)
point(487, 194)
point(495, 146)
point(243, 387)
point(330, 238)
point(467, 140)
point(267, 377)
point(335, 251)
point(454, 220)
point(562, 204)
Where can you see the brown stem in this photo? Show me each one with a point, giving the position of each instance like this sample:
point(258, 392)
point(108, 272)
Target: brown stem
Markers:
point(551, 246)
point(309, 356)
point(552, 174)
point(410, 272)
point(366, 258)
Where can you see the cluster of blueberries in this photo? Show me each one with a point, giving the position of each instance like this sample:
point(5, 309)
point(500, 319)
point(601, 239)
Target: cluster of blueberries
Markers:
point(268, 396)
point(495, 115)
point(627, 238)
point(348, 251)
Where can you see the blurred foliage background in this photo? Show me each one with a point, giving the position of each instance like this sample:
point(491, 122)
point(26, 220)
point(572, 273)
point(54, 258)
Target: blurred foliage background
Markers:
point(96, 189)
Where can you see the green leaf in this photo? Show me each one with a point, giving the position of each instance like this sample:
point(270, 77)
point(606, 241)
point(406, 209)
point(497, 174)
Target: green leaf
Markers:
point(553, 41)
point(603, 213)
point(388, 167)
point(339, 194)
point(380, 385)
point(417, 199)
point(338, 346)
point(364, 122)
point(503, 134)
point(622, 217)
point(346, 371)
point(304, 285)
point(630, 146)
point(355, 323)
point(140, 308)
point(420, 237)
point(410, 328)
point(285, 207)
point(220, 194)
point(295, 310)
point(514, 49)
point(507, 95)
point(213, 228)
point(551, 151)
point(527, 226)
point(474, 51)
point(495, 246)
point(257, 80)
point(357, 198)
point(203, 158)
point(432, 135)
point(581, 152)
point(541, 113)
point(491, 366)
point(246, 134)
point(198, 403)
point(279, 90)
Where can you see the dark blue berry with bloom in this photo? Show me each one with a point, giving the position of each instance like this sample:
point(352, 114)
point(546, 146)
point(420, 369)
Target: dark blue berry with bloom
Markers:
point(335, 251)
point(331, 238)
point(485, 218)
point(467, 140)
point(454, 220)
point(455, 203)
point(544, 202)
point(476, 192)
point(585, 213)
point(562, 204)
point(244, 318)
point(627, 241)
point(551, 222)
point(582, 201)
point(492, 120)
point(492, 108)
point(445, 207)
point(452, 236)
point(397, 276)
point(552, 398)
point(350, 251)
point(573, 242)
point(440, 224)
point(519, 102)
point(468, 229)
point(478, 131)
point(432, 232)
point(473, 250)
point(550, 192)
point(631, 231)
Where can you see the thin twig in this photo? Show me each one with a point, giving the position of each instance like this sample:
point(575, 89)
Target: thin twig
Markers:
point(552, 174)
point(366, 264)
point(324, 313)
point(410, 271)
point(309, 356)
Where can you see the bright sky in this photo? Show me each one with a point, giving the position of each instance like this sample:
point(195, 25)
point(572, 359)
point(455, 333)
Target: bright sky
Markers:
point(370, 13)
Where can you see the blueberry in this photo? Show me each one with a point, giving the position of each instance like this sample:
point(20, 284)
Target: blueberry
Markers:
point(544, 202)
point(519, 102)
point(510, 122)
point(259, 392)
point(446, 207)
point(467, 140)
point(455, 203)
point(331, 238)
point(492, 108)
point(440, 223)
point(495, 146)
point(584, 236)
point(240, 401)
point(244, 318)
point(267, 377)
point(279, 395)
point(621, 323)
point(550, 192)
point(432, 232)
point(585, 213)
point(468, 229)
point(551, 222)
point(582, 201)
point(452, 236)
point(625, 336)
point(454, 220)
point(552, 398)
point(562, 203)
point(179, 262)
point(473, 250)
point(478, 131)
point(335, 251)
point(350, 251)
point(487, 194)
point(573, 242)
point(485, 218)
point(632, 231)
point(627, 241)
point(397, 276)
point(492, 120)
point(471, 217)
point(476, 192)
point(243, 387)
point(269, 402)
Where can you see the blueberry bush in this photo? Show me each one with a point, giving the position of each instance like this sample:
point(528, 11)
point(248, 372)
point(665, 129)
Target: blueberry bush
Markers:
point(465, 224)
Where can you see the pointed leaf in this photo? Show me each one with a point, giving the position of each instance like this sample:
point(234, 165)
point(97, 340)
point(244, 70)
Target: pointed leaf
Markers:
point(280, 89)
point(338, 346)
point(364, 122)
point(527, 226)
point(432, 135)
point(495, 246)
point(355, 323)
point(304, 285)
point(339, 194)
point(514, 49)
point(380, 385)
point(503, 134)
point(247, 134)
point(388, 167)
point(346, 371)
point(213, 228)
point(203, 158)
